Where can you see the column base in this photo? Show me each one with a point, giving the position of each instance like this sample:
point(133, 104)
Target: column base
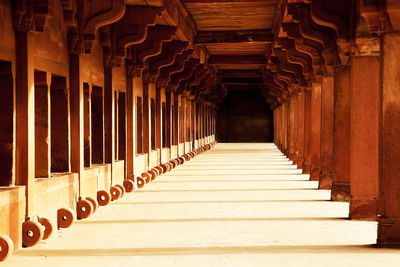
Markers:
point(314, 175)
point(363, 209)
point(340, 192)
point(295, 159)
point(300, 162)
point(325, 181)
point(306, 167)
point(388, 232)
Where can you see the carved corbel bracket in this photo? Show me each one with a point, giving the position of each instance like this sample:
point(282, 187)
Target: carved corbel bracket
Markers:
point(189, 78)
point(178, 66)
point(296, 56)
point(22, 13)
point(100, 13)
point(287, 66)
point(185, 74)
point(166, 57)
point(134, 27)
point(152, 46)
point(376, 16)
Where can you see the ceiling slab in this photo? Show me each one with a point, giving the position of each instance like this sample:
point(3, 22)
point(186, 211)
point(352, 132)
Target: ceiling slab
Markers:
point(211, 37)
point(232, 15)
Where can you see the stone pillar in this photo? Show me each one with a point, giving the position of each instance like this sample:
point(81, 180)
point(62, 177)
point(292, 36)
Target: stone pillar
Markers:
point(300, 154)
point(291, 135)
point(87, 109)
point(7, 130)
point(76, 115)
point(175, 127)
point(159, 125)
point(42, 124)
point(121, 127)
point(130, 125)
point(183, 123)
point(168, 119)
point(307, 131)
point(296, 135)
point(59, 99)
point(25, 117)
point(146, 121)
point(193, 123)
point(341, 176)
point(315, 148)
point(389, 183)
point(364, 159)
point(97, 125)
point(109, 118)
point(285, 127)
point(327, 129)
point(116, 124)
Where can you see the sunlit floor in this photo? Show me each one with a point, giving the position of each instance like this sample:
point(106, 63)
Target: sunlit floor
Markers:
point(236, 205)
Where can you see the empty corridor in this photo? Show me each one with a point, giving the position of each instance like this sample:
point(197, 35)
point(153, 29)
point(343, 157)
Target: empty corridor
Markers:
point(235, 205)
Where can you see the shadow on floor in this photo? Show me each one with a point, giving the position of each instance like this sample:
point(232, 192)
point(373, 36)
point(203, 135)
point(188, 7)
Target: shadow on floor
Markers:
point(349, 249)
point(190, 220)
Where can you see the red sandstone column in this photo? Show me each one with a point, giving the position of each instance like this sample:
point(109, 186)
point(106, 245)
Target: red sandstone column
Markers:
point(159, 125)
point(285, 127)
point(389, 183)
point(131, 130)
point(25, 117)
point(109, 118)
point(327, 128)
point(341, 176)
point(364, 159)
point(146, 122)
point(295, 99)
point(315, 147)
point(275, 140)
point(307, 131)
point(300, 155)
point(182, 124)
point(292, 141)
point(283, 123)
point(168, 120)
point(175, 126)
point(76, 115)
point(194, 114)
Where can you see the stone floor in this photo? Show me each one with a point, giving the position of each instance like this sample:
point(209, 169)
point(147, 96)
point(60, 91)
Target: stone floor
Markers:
point(236, 205)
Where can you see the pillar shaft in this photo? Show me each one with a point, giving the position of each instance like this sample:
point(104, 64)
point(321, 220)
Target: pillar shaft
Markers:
point(327, 128)
point(300, 155)
point(365, 104)
point(307, 132)
point(25, 120)
point(389, 184)
point(315, 147)
point(341, 176)
point(109, 117)
point(130, 127)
